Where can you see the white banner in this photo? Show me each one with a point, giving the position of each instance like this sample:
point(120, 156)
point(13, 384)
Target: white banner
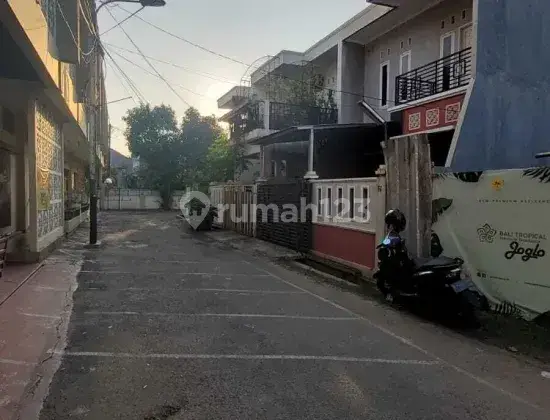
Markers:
point(499, 223)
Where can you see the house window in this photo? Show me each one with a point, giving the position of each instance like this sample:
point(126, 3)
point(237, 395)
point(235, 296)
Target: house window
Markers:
point(384, 83)
point(283, 168)
point(340, 202)
point(410, 41)
point(329, 202)
point(273, 169)
point(453, 20)
point(464, 15)
point(405, 62)
point(352, 203)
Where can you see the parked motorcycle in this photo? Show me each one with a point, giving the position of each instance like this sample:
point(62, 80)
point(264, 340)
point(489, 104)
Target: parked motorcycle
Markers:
point(439, 282)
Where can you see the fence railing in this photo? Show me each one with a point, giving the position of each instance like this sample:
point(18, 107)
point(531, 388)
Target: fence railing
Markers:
point(250, 118)
point(447, 73)
point(283, 115)
point(239, 205)
point(346, 202)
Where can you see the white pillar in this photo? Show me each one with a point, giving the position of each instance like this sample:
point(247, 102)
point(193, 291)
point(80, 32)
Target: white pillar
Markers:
point(311, 174)
point(262, 164)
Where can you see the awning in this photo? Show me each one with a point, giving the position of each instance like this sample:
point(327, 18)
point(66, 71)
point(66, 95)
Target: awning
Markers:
point(299, 133)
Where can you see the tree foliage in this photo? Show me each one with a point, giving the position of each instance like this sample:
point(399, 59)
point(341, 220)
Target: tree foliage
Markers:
point(176, 156)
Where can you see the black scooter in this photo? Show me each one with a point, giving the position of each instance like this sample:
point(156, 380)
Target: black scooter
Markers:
point(439, 282)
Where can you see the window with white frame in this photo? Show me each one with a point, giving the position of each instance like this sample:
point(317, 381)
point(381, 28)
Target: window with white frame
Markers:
point(384, 83)
point(405, 62)
point(404, 67)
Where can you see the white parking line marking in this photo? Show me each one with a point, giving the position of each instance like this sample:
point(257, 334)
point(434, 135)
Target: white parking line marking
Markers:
point(244, 291)
point(16, 362)
point(170, 274)
point(442, 361)
point(248, 357)
point(40, 315)
point(217, 262)
point(213, 315)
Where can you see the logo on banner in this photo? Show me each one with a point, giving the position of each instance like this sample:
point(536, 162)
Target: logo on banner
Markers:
point(486, 233)
point(525, 252)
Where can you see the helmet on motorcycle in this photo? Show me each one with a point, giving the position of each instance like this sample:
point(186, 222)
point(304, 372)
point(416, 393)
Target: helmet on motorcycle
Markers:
point(396, 219)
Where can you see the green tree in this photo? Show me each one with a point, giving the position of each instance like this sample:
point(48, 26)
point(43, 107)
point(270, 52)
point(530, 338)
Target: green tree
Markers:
point(223, 160)
point(153, 136)
point(173, 157)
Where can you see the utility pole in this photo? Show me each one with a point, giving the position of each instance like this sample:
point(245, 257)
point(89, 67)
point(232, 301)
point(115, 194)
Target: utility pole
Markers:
point(96, 106)
point(93, 149)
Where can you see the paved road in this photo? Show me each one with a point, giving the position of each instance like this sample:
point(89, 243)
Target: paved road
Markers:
point(167, 325)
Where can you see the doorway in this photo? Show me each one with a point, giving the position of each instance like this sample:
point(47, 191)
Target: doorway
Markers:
point(447, 48)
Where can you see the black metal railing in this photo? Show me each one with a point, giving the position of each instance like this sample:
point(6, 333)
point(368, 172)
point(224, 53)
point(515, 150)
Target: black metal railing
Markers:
point(250, 118)
point(447, 73)
point(283, 115)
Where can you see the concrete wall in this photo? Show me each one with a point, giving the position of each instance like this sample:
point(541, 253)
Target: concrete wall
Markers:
point(351, 61)
point(425, 33)
point(356, 248)
point(506, 119)
point(135, 199)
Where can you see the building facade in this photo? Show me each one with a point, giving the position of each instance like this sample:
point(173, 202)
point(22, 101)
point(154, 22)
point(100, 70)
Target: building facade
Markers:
point(54, 119)
point(426, 66)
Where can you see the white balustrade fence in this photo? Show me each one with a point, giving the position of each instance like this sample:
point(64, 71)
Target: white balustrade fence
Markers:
point(351, 202)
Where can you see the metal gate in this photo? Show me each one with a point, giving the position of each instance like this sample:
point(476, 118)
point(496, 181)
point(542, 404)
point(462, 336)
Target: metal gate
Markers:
point(239, 202)
point(273, 200)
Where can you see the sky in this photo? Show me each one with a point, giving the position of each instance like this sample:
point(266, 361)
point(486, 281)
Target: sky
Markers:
point(242, 29)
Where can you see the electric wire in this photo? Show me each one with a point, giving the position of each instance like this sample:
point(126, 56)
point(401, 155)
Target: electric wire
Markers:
point(149, 62)
point(156, 75)
point(360, 96)
point(194, 44)
point(203, 74)
point(122, 21)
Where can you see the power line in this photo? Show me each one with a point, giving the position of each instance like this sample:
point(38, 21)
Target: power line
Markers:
point(149, 63)
point(186, 40)
point(128, 91)
point(153, 74)
point(131, 84)
point(203, 74)
point(122, 21)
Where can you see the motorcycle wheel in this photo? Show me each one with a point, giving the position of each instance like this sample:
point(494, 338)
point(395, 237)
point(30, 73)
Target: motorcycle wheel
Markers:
point(468, 314)
point(384, 289)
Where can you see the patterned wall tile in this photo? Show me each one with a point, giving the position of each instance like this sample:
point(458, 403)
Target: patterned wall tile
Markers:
point(414, 121)
point(452, 111)
point(49, 165)
point(432, 117)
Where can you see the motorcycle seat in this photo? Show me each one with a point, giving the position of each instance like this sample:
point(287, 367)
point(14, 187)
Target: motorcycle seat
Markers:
point(431, 263)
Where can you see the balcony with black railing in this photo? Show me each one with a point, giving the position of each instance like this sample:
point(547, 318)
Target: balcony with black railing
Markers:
point(447, 73)
point(249, 118)
point(283, 115)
